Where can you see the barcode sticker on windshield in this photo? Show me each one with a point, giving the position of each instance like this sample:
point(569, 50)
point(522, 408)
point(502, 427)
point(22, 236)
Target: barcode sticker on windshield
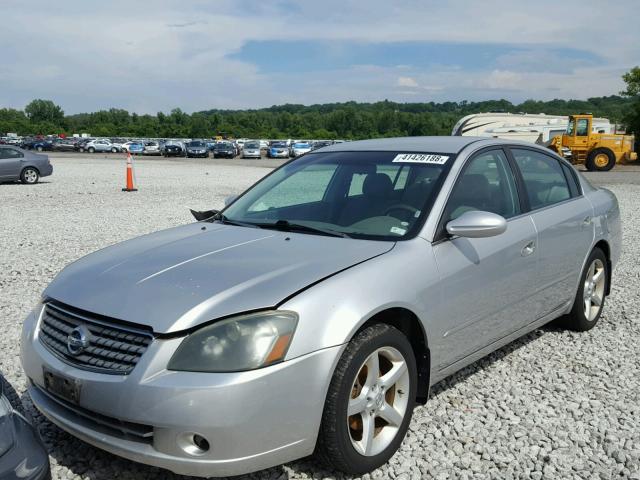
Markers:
point(421, 158)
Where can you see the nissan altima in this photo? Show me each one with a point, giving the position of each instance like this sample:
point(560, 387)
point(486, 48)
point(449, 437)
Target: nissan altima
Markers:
point(315, 311)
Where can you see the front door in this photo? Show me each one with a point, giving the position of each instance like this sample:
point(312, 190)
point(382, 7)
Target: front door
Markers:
point(486, 282)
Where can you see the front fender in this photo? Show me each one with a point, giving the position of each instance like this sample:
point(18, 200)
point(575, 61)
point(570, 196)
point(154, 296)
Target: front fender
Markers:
point(332, 311)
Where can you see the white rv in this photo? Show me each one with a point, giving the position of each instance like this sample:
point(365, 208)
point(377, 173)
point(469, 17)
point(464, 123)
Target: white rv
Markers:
point(534, 128)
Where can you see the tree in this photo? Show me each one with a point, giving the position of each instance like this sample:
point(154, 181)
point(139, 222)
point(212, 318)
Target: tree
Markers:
point(632, 116)
point(44, 111)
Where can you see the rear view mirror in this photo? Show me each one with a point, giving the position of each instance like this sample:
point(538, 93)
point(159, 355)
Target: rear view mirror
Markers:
point(477, 224)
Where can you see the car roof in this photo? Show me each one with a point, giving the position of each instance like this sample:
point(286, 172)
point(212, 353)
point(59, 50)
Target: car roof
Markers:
point(442, 144)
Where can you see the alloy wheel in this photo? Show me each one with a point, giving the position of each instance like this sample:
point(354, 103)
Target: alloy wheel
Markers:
point(379, 401)
point(593, 292)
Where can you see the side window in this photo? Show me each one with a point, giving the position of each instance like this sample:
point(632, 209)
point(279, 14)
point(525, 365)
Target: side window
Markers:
point(571, 178)
point(487, 184)
point(583, 127)
point(543, 177)
point(10, 153)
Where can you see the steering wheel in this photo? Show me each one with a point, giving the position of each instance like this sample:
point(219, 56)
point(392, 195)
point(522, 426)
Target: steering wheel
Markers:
point(401, 206)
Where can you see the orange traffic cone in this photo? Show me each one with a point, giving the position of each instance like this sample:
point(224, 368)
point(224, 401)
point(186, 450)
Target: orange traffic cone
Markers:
point(130, 187)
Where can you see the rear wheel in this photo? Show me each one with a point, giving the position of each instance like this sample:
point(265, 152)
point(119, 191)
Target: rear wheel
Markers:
point(39, 148)
point(29, 176)
point(114, 150)
point(91, 150)
point(370, 401)
point(601, 159)
point(589, 301)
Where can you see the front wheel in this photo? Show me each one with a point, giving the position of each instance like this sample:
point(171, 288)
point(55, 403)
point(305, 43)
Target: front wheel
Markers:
point(601, 160)
point(589, 301)
point(370, 401)
point(29, 176)
point(39, 148)
point(114, 150)
point(91, 150)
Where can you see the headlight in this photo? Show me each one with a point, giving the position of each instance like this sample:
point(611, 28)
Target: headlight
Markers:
point(237, 344)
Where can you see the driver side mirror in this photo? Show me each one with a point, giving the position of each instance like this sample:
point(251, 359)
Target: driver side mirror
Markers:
point(477, 224)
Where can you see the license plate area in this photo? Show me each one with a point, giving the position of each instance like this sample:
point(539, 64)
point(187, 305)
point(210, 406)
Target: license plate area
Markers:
point(61, 386)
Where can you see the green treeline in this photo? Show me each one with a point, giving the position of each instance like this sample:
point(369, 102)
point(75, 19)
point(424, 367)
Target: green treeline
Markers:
point(350, 120)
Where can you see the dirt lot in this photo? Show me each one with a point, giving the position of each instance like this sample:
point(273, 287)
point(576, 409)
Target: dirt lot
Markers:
point(553, 404)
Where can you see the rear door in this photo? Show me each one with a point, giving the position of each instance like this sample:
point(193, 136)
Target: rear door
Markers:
point(10, 163)
point(563, 219)
point(485, 281)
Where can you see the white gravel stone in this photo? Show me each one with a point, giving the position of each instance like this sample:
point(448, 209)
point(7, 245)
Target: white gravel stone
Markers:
point(554, 404)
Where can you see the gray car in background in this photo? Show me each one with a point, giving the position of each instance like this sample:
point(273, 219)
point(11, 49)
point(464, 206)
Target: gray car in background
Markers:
point(27, 167)
point(317, 309)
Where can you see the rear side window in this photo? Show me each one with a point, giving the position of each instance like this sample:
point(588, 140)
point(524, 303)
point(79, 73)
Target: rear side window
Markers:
point(571, 179)
point(544, 179)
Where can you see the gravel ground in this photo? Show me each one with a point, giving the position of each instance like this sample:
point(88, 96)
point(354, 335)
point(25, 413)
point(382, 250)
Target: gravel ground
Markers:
point(553, 404)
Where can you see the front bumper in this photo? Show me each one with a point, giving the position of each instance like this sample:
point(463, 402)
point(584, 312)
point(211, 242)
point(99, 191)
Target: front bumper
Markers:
point(27, 459)
point(252, 420)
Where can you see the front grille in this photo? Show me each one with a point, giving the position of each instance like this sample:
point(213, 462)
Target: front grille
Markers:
point(96, 421)
point(112, 348)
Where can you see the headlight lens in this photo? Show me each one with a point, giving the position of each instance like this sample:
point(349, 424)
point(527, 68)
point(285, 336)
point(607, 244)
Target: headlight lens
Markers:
point(237, 344)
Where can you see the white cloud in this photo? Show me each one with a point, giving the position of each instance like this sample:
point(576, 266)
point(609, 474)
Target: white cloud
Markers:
point(148, 56)
point(407, 82)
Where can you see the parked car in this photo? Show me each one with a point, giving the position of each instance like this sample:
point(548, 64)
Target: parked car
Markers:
point(135, 147)
point(264, 145)
point(18, 164)
point(22, 453)
point(197, 148)
point(151, 148)
point(251, 149)
point(321, 144)
point(224, 150)
point(64, 145)
point(100, 145)
point(278, 150)
point(40, 145)
point(320, 305)
point(173, 149)
point(81, 143)
point(300, 148)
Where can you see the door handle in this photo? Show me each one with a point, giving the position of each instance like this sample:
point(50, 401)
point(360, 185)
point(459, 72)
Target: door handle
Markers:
point(528, 249)
point(586, 222)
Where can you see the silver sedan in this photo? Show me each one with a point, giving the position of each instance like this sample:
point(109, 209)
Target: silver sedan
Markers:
point(22, 165)
point(317, 309)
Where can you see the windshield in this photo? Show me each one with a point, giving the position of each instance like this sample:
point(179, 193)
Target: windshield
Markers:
point(301, 145)
point(252, 145)
point(222, 146)
point(196, 144)
point(374, 195)
point(278, 145)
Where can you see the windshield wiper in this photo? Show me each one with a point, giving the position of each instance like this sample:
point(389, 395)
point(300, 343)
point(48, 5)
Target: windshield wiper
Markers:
point(287, 226)
point(222, 218)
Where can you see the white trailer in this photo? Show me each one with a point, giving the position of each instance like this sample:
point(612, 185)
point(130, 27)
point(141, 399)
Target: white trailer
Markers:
point(534, 128)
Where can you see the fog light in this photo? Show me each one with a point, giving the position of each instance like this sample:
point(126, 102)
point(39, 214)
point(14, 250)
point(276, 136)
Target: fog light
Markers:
point(193, 444)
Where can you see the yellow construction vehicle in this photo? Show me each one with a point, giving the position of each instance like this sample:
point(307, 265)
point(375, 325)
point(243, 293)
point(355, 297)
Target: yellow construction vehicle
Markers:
point(598, 151)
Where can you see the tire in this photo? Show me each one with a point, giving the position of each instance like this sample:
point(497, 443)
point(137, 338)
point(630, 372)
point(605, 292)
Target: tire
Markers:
point(30, 176)
point(81, 150)
point(11, 395)
point(600, 160)
point(342, 440)
point(91, 150)
point(114, 150)
point(578, 319)
point(39, 148)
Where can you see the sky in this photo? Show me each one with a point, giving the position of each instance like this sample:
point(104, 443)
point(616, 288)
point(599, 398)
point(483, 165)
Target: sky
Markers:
point(150, 56)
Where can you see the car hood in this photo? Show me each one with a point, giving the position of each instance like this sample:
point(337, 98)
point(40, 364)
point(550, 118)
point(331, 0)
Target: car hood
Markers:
point(176, 279)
